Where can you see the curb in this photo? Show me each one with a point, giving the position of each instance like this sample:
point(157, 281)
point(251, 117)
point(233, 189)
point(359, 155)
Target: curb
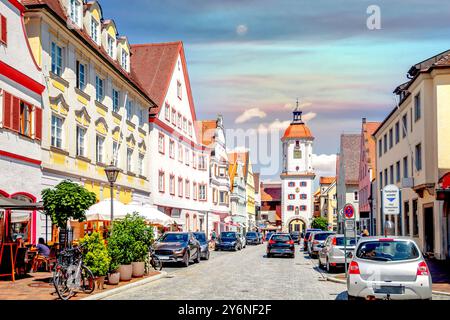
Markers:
point(333, 279)
point(114, 291)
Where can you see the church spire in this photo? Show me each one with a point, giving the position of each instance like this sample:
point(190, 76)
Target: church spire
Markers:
point(297, 115)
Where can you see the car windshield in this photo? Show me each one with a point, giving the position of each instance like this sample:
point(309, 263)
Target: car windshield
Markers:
point(252, 235)
point(322, 236)
point(350, 241)
point(200, 237)
point(391, 250)
point(228, 235)
point(175, 237)
point(280, 238)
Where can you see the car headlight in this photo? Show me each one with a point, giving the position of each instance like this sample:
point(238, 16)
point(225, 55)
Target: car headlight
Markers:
point(178, 251)
point(233, 243)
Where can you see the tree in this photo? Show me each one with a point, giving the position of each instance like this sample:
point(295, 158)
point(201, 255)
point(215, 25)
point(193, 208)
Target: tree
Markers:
point(68, 200)
point(320, 223)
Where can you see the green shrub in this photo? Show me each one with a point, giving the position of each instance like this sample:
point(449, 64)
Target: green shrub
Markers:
point(95, 254)
point(320, 223)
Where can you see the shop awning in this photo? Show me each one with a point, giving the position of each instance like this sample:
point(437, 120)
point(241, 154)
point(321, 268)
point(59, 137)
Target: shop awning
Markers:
point(14, 204)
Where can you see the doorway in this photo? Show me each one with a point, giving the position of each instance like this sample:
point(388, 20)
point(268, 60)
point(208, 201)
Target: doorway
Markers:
point(428, 213)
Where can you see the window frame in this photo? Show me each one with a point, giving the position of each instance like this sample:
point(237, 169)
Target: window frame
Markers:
point(81, 143)
point(116, 100)
point(99, 89)
point(54, 132)
point(99, 148)
point(57, 59)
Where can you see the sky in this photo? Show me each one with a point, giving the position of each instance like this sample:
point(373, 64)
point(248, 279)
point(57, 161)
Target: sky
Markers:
point(249, 60)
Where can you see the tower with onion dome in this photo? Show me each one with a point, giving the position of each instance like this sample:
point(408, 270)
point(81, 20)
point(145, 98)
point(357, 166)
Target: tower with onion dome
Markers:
point(297, 175)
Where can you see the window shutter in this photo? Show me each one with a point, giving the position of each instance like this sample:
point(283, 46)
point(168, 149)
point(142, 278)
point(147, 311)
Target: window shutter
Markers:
point(38, 123)
point(15, 114)
point(7, 110)
point(4, 35)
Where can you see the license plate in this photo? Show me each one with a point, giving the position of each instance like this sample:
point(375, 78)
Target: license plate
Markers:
point(163, 258)
point(390, 289)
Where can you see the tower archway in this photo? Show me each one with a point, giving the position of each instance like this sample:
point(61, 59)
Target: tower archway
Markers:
point(296, 223)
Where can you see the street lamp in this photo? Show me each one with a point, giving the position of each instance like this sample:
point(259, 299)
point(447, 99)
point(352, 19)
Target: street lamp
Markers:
point(112, 173)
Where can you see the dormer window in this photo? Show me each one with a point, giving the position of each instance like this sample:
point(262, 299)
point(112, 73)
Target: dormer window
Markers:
point(111, 45)
point(125, 60)
point(75, 11)
point(94, 30)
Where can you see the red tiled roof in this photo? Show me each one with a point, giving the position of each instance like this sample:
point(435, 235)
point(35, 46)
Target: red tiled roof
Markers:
point(55, 7)
point(206, 130)
point(270, 192)
point(297, 130)
point(327, 180)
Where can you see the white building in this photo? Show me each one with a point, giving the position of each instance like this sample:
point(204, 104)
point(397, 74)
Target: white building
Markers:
point(21, 87)
point(179, 165)
point(297, 176)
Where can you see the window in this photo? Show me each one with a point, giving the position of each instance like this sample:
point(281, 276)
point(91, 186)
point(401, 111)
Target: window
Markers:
point(56, 132)
point(186, 156)
point(302, 208)
point(56, 59)
point(202, 162)
point(385, 177)
point(124, 59)
point(115, 99)
point(391, 174)
point(129, 107)
point(172, 149)
point(381, 179)
point(161, 184)
point(291, 196)
point(397, 132)
point(141, 117)
point(94, 30)
point(81, 133)
point(380, 147)
point(180, 187)
point(179, 121)
point(75, 11)
point(406, 212)
point(167, 112)
point(187, 188)
point(385, 143)
point(405, 167)
point(129, 160)
point(415, 219)
point(405, 125)
point(391, 139)
point(3, 30)
point(411, 114)
point(190, 129)
point(194, 160)
point(398, 173)
point(184, 124)
point(179, 90)
point(303, 196)
point(81, 75)
point(194, 191)
point(419, 157)
point(202, 192)
point(180, 153)
point(290, 208)
point(172, 185)
point(99, 86)
point(417, 110)
point(141, 165)
point(161, 143)
point(291, 184)
point(111, 45)
point(223, 197)
point(174, 116)
point(25, 119)
point(99, 148)
point(115, 153)
point(355, 195)
point(303, 184)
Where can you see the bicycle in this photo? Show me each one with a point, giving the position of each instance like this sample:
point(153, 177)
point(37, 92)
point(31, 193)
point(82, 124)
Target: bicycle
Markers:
point(155, 262)
point(71, 275)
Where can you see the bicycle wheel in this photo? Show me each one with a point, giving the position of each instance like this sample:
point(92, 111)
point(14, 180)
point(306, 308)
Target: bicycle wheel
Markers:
point(87, 280)
point(156, 263)
point(60, 282)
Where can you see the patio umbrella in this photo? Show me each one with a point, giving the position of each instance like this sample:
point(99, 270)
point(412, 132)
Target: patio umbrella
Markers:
point(151, 214)
point(101, 211)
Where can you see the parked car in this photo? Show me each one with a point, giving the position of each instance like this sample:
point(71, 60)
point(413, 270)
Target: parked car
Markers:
point(243, 240)
point(178, 247)
point(229, 240)
point(295, 235)
point(388, 268)
point(204, 245)
point(317, 240)
point(280, 244)
point(332, 254)
point(268, 235)
point(305, 239)
point(252, 238)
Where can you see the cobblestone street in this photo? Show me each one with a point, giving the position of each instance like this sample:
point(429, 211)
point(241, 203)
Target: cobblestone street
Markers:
point(245, 274)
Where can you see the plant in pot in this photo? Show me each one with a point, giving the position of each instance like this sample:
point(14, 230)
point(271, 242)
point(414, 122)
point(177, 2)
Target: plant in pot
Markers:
point(114, 274)
point(96, 257)
point(120, 243)
point(143, 236)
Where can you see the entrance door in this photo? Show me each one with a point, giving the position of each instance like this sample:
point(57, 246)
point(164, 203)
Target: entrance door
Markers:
point(429, 229)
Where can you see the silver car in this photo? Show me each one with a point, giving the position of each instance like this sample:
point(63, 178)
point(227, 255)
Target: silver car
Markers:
point(332, 254)
point(388, 268)
point(316, 242)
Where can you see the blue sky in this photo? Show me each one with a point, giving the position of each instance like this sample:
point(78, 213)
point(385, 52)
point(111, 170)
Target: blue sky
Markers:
point(263, 54)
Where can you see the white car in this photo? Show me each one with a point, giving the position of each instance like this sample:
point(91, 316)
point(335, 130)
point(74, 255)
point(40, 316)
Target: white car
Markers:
point(388, 268)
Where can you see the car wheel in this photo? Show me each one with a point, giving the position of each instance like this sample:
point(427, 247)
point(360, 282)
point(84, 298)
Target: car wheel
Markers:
point(186, 259)
point(198, 257)
point(236, 248)
point(320, 264)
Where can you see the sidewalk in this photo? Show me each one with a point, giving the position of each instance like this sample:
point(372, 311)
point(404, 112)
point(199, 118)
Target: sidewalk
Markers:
point(38, 286)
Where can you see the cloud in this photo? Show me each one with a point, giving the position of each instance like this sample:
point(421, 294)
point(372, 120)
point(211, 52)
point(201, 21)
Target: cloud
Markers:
point(250, 114)
point(309, 116)
point(324, 165)
point(241, 30)
point(276, 125)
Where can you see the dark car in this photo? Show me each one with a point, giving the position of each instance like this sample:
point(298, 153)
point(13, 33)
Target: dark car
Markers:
point(229, 240)
point(268, 235)
point(295, 235)
point(204, 245)
point(305, 239)
point(252, 238)
point(178, 247)
point(281, 244)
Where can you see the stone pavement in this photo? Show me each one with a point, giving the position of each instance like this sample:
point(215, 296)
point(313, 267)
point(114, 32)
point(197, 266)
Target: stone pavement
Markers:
point(247, 275)
point(37, 286)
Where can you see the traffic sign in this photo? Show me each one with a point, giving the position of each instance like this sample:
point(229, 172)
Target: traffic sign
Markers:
point(391, 200)
point(349, 211)
point(349, 224)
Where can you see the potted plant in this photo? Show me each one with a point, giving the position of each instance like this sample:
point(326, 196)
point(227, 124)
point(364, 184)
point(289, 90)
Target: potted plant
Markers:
point(96, 257)
point(143, 236)
point(114, 274)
